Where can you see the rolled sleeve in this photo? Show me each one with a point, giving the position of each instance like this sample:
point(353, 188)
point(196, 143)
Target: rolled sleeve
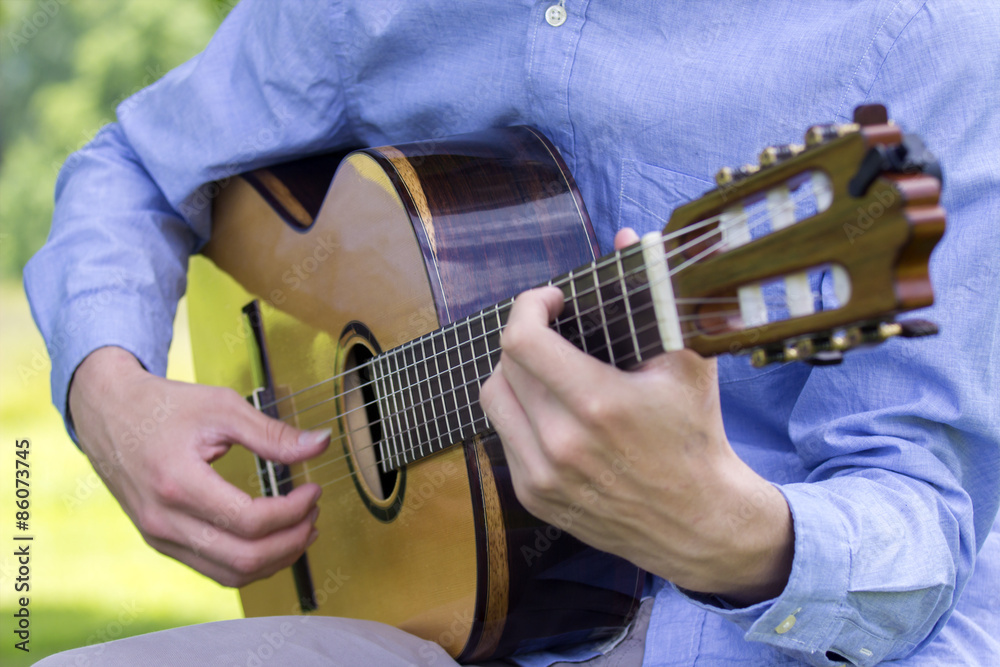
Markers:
point(133, 204)
point(899, 446)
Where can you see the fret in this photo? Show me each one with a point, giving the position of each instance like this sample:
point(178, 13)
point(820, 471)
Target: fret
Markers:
point(633, 338)
point(380, 407)
point(443, 372)
point(438, 392)
point(459, 381)
point(456, 354)
point(587, 298)
point(388, 435)
point(477, 354)
point(389, 419)
point(483, 352)
point(405, 438)
point(493, 340)
point(426, 387)
point(495, 348)
point(558, 323)
point(617, 313)
point(416, 404)
point(603, 315)
point(640, 303)
point(574, 298)
point(481, 346)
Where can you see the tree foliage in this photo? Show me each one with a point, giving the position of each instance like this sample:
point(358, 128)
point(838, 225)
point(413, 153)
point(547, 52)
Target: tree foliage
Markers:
point(64, 66)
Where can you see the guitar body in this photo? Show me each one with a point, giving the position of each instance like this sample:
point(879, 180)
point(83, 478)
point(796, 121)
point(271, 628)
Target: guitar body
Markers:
point(401, 242)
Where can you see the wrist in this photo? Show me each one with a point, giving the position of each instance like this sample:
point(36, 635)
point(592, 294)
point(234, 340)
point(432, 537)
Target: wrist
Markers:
point(101, 372)
point(761, 542)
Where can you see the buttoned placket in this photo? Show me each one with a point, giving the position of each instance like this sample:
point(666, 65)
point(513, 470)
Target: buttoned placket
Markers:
point(554, 35)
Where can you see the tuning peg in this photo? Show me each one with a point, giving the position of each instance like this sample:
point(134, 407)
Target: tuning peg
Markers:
point(907, 329)
point(764, 356)
point(772, 155)
point(728, 176)
point(847, 339)
point(820, 134)
point(801, 349)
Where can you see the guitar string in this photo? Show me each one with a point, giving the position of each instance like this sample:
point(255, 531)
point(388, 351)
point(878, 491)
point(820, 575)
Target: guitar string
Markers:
point(610, 260)
point(312, 469)
point(475, 360)
point(455, 411)
point(463, 386)
point(450, 433)
point(455, 388)
point(485, 335)
point(559, 322)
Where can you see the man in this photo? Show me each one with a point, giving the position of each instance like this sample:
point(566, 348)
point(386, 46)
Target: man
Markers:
point(866, 490)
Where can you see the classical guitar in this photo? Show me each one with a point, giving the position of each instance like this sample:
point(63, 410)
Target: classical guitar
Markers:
point(366, 293)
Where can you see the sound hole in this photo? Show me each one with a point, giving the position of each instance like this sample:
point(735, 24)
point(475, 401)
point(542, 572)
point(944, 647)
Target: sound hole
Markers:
point(364, 423)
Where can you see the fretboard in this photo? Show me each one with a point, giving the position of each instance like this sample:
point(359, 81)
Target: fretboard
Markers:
point(428, 388)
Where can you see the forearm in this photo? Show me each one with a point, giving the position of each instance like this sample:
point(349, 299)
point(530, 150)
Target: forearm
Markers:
point(114, 266)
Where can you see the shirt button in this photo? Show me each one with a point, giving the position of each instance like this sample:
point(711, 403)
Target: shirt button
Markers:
point(786, 624)
point(555, 15)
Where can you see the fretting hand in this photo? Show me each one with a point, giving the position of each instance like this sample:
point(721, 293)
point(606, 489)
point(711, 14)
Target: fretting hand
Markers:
point(635, 463)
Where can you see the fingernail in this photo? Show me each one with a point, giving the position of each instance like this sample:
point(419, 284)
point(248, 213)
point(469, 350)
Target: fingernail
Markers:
point(312, 537)
point(312, 516)
point(314, 438)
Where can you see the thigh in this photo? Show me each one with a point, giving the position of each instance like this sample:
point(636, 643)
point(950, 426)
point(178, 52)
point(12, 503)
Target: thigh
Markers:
point(304, 641)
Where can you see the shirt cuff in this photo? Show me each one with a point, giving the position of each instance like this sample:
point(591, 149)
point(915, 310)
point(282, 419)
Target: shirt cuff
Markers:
point(809, 619)
point(99, 320)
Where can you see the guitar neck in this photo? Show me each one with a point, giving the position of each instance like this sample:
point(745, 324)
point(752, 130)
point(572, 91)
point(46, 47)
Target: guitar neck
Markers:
point(428, 389)
point(744, 260)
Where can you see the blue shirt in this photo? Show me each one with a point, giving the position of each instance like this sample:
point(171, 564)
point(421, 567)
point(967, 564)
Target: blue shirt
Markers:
point(890, 463)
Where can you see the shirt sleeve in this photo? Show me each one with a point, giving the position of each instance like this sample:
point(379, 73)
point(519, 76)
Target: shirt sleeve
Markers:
point(133, 204)
point(901, 442)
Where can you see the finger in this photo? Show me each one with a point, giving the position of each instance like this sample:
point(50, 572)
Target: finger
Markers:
point(528, 342)
point(625, 237)
point(521, 448)
point(270, 438)
point(203, 493)
point(230, 559)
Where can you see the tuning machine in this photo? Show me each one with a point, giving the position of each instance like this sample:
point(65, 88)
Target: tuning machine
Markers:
point(773, 155)
point(820, 134)
point(728, 176)
point(828, 349)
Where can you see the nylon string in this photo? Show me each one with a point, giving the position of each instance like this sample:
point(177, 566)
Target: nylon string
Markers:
point(494, 311)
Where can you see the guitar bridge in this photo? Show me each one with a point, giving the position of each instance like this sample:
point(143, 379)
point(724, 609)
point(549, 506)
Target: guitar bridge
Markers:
point(275, 478)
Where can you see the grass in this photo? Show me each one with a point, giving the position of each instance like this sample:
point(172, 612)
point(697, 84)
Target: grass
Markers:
point(92, 575)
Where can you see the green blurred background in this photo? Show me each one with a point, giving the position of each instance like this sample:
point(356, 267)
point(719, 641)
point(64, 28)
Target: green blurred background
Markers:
point(64, 67)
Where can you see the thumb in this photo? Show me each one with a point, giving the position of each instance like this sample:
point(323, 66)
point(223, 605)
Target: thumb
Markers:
point(271, 438)
point(625, 237)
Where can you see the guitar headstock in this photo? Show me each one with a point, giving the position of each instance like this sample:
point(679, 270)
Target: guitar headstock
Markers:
point(814, 250)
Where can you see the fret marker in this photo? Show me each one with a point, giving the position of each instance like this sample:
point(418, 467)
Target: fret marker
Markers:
point(661, 289)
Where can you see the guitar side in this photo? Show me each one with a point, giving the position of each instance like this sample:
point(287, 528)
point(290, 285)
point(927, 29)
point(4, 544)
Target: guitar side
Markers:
point(407, 239)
